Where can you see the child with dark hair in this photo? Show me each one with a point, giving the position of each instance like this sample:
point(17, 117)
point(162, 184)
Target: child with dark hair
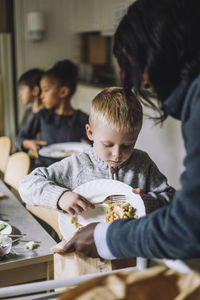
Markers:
point(29, 93)
point(58, 121)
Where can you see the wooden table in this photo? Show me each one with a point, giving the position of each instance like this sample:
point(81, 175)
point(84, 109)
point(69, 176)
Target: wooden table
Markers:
point(22, 265)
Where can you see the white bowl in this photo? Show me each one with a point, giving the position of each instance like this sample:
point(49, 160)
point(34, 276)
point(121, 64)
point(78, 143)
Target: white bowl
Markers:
point(5, 245)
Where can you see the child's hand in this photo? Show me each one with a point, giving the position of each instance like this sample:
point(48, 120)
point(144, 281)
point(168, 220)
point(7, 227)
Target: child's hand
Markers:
point(33, 145)
point(74, 203)
point(138, 191)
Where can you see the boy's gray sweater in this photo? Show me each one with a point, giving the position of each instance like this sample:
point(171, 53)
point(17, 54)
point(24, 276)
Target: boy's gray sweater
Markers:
point(44, 186)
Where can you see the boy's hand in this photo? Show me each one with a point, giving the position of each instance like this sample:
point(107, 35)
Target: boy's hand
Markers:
point(138, 191)
point(33, 145)
point(74, 203)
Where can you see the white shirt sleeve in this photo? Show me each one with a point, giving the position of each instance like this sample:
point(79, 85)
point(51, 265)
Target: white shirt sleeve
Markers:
point(100, 233)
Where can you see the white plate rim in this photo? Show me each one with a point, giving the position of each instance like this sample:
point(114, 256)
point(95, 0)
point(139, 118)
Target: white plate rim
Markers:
point(6, 230)
point(64, 218)
point(67, 146)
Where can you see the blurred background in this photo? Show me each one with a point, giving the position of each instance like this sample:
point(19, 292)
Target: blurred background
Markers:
point(41, 32)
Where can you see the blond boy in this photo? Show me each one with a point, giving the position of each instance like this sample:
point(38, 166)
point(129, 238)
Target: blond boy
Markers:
point(114, 124)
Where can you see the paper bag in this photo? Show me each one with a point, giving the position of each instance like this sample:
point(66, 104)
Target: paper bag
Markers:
point(74, 264)
point(154, 283)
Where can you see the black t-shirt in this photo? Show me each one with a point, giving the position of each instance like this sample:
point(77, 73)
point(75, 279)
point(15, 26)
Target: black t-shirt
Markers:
point(54, 128)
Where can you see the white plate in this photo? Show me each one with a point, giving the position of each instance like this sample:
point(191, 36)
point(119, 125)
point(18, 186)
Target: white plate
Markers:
point(95, 191)
point(7, 229)
point(61, 150)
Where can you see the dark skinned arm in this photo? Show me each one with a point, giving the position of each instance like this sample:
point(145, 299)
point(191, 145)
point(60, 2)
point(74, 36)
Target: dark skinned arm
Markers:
point(83, 241)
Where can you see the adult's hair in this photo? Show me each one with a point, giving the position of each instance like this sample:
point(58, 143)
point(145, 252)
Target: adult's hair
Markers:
point(31, 78)
point(119, 109)
point(161, 37)
point(64, 72)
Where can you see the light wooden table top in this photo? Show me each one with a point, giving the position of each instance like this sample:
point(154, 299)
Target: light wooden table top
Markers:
point(14, 213)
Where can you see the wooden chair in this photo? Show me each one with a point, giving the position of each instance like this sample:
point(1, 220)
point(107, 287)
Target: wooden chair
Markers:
point(18, 166)
point(5, 148)
point(49, 216)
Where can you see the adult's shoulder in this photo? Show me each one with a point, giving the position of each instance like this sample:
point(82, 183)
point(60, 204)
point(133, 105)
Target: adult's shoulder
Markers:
point(191, 100)
point(193, 92)
point(195, 83)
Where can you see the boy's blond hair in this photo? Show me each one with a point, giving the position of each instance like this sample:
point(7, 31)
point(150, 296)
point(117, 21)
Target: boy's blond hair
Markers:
point(120, 110)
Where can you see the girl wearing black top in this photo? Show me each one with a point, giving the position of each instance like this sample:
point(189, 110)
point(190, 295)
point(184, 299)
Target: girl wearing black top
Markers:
point(58, 122)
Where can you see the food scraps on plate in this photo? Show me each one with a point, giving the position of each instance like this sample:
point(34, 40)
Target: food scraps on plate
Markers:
point(114, 211)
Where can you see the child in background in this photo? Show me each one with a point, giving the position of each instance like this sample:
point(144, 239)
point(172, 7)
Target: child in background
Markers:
point(29, 93)
point(114, 124)
point(58, 121)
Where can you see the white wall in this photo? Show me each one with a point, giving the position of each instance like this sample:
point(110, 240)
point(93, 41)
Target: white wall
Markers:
point(164, 145)
point(84, 96)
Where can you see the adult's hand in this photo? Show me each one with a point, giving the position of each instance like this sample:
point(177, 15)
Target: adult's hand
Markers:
point(33, 145)
point(83, 241)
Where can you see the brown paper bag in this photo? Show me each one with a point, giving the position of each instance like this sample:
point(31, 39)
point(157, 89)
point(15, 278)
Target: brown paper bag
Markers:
point(154, 283)
point(75, 264)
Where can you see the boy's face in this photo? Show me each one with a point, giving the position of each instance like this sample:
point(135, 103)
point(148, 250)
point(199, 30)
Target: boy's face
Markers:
point(25, 94)
point(112, 146)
